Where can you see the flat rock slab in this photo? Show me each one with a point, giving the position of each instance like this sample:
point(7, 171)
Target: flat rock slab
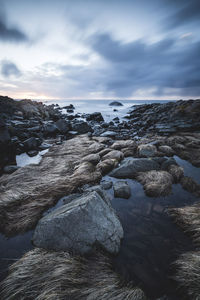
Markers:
point(129, 168)
point(78, 226)
point(122, 189)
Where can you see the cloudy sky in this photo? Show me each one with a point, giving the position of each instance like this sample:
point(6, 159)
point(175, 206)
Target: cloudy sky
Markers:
point(100, 49)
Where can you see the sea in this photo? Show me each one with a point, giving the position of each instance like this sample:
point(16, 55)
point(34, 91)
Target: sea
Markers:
point(108, 113)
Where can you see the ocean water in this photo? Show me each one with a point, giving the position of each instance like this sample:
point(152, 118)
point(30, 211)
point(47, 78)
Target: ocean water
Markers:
point(90, 106)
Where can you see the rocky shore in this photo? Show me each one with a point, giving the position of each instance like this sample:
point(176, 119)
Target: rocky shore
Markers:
point(74, 243)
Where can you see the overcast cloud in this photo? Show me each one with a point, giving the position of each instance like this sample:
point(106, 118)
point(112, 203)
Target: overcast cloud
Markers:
point(100, 49)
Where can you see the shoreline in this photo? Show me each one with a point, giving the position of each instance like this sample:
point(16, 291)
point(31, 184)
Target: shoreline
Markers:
point(140, 148)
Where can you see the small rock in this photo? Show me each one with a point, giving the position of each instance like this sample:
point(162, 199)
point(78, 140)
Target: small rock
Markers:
point(81, 127)
point(32, 153)
point(166, 150)
point(10, 169)
point(31, 144)
point(121, 189)
point(147, 150)
point(92, 158)
point(109, 134)
point(96, 116)
point(129, 168)
point(106, 185)
point(63, 126)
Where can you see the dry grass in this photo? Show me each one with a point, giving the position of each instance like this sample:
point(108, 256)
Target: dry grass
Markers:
point(25, 194)
point(188, 264)
point(42, 275)
point(156, 183)
point(188, 218)
point(188, 274)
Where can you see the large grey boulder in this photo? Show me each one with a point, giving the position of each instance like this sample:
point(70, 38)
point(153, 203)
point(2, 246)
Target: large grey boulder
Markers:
point(79, 225)
point(129, 168)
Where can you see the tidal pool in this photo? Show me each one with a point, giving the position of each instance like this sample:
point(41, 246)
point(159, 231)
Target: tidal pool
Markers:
point(152, 242)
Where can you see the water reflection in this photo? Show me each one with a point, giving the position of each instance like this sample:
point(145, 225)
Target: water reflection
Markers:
point(12, 249)
point(151, 240)
point(24, 159)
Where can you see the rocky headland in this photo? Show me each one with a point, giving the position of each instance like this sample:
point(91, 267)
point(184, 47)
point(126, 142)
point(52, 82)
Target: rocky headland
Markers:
point(74, 243)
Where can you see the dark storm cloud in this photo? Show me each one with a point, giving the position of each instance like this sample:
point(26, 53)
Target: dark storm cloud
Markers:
point(11, 34)
point(8, 69)
point(138, 65)
point(186, 12)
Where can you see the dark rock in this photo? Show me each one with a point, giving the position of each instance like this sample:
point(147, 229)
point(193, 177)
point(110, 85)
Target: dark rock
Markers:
point(32, 153)
point(130, 167)
point(115, 103)
point(50, 129)
point(96, 116)
point(106, 185)
point(167, 163)
point(63, 126)
point(121, 189)
point(109, 134)
point(71, 106)
point(81, 127)
point(10, 169)
point(44, 146)
point(147, 150)
point(31, 144)
point(69, 110)
point(77, 226)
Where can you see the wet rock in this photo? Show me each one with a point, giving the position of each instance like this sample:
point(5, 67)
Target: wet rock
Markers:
point(129, 168)
point(50, 129)
point(106, 185)
point(44, 146)
point(70, 106)
point(177, 172)
point(118, 145)
point(121, 189)
point(102, 193)
point(63, 126)
point(115, 103)
point(114, 154)
point(96, 116)
point(81, 127)
point(32, 153)
point(107, 165)
point(167, 163)
point(92, 158)
point(31, 144)
point(147, 150)
point(109, 134)
point(10, 169)
point(77, 226)
point(166, 150)
point(156, 183)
